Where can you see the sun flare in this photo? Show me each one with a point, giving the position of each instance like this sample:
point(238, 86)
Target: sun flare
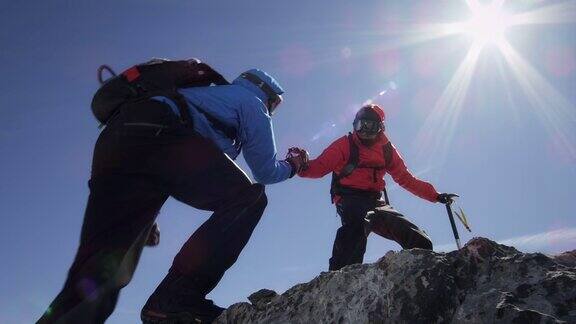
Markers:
point(488, 24)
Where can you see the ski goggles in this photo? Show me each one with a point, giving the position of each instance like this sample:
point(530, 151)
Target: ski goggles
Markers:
point(274, 99)
point(368, 126)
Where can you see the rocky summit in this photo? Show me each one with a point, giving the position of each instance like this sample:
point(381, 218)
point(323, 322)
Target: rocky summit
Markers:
point(484, 282)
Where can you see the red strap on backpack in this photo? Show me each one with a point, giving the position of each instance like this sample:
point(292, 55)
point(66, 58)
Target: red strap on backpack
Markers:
point(131, 74)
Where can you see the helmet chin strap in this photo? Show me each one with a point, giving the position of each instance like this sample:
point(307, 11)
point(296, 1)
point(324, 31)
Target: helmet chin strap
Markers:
point(369, 141)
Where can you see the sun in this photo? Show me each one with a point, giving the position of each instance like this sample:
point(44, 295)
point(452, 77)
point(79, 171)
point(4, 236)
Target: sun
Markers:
point(488, 24)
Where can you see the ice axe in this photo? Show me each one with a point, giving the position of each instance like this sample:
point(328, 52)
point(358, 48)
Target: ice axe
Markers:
point(451, 217)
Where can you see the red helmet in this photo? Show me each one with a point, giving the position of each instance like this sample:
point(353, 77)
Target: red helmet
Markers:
point(369, 120)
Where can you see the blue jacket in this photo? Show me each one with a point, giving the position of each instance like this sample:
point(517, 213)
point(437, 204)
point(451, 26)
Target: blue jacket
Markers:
point(241, 106)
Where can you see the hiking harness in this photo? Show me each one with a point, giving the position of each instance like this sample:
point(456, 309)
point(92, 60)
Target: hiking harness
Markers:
point(336, 188)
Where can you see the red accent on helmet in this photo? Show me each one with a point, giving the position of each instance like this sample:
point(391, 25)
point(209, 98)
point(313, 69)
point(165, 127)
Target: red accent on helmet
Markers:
point(131, 74)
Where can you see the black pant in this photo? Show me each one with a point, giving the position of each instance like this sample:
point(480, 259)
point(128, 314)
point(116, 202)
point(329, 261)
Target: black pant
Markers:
point(350, 243)
point(141, 158)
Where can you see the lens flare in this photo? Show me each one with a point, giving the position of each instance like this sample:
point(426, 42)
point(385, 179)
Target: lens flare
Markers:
point(555, 111)
point(487, 26)
point(436, 134)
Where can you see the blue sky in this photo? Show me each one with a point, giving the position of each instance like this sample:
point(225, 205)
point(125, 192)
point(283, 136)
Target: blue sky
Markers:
point(500, 132)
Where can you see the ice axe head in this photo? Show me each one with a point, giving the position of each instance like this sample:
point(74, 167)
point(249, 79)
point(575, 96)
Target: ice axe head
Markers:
point(451, 198)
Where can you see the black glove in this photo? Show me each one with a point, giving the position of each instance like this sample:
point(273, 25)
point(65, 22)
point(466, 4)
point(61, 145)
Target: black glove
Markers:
point(446, 198)
point(298, 159)
point(154, 236)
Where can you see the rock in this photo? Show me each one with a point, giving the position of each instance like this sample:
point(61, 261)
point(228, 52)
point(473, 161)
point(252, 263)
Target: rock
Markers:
point(567, 258)
point(484, 282)
point(262, 297)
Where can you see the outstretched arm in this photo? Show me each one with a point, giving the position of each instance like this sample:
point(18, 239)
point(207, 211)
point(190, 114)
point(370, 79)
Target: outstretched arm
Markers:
point(260, 148)
point(406, 180)
point(333, 157)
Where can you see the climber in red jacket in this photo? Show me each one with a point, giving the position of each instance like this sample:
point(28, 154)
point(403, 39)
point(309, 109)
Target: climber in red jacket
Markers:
point(358, 163)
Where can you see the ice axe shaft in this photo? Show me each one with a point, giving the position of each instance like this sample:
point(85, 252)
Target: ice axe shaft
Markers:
point(386, 196)
point(454, 229)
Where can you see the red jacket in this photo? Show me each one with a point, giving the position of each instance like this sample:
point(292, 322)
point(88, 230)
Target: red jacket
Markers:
point(335, 157)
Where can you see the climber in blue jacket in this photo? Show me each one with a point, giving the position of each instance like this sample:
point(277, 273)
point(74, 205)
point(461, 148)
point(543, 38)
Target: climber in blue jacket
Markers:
point(152, 150)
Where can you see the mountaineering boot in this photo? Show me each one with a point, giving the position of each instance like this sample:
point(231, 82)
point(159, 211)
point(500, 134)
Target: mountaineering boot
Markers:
point(178, 300)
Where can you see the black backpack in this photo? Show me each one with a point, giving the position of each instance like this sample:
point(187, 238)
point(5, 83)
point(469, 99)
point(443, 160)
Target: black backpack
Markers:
point(153, 78)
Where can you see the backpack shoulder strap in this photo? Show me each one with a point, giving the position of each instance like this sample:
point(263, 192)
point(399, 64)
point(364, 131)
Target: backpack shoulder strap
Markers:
point(353, 158)
point(387, 151)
